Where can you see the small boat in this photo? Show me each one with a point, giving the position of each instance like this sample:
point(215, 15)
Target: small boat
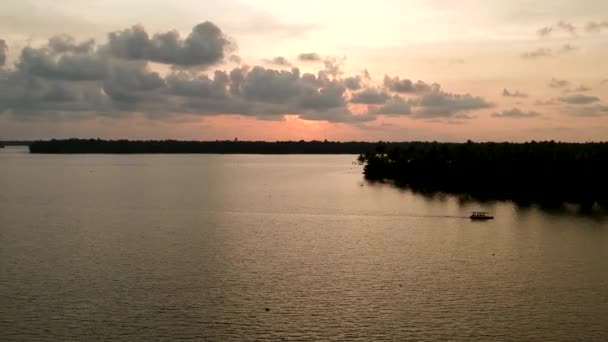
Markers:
point(480, 215)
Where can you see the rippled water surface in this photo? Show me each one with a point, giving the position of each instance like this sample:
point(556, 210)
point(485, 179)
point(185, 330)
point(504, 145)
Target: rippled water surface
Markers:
point(248, 247)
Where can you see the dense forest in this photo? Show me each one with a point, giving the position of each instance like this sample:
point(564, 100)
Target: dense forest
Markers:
point(535, 171)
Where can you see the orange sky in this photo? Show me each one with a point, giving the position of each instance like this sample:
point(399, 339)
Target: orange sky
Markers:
point(517, 70)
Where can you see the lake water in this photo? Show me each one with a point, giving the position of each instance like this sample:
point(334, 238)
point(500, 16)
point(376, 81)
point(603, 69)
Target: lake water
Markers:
point(249, 247)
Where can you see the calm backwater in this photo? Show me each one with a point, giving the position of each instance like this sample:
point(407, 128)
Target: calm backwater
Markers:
point(250, 247)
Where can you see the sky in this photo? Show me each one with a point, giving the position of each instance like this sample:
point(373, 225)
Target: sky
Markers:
point(392, 70)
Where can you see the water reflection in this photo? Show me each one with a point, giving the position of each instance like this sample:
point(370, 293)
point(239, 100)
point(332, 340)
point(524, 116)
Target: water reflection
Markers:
point(168, 247)
point(523, 207)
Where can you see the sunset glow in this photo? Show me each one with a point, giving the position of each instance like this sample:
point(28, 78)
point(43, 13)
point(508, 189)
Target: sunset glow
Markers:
point(267, 70)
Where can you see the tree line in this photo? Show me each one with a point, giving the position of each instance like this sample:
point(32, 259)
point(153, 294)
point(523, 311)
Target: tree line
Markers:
point(218, 146)
point(534, 171)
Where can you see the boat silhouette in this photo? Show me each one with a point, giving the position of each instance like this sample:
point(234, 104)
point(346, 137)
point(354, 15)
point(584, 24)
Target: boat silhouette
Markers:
point(481, 215)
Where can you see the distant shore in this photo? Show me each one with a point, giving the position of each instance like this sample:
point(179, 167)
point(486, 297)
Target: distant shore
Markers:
point(550, 172)
point(210, 147)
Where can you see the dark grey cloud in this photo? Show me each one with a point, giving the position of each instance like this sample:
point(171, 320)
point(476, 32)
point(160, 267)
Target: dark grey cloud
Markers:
point(192, 85)
point(3, 52)
point(370, 96)
point(596, 26)
point(129, 86)
point(579, 99)
point(557, 83)
point(205, 45)
point(82, 79)
point(64, 43)
point(337, 116)
point(265, 93)
point(270, 85)
point(516, 93)
point(407, 86)
point(43, 62)
point(353, 83)
point(29, 97)
point(515, 113)
point(309, 57)
point(127, 83)
point(279, 61)
point(394, 106)
point(330, 96)
point(439, 104)
point(357, 82)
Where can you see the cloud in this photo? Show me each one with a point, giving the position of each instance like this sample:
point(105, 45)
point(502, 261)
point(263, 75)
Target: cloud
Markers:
point(394, 106)
point(579, 89)
point(64, 43)
point(546, 52)
point(545, 31)
point(205, 45)
point(595, 26)
point(538, 53)
point(353, 83)
point(64, 78)
point(515, 113)
point(560, 25)
point(407, 86)
point(333, 65)
point(566, 26)
point(567, 48)
point(556, 83)
point(184, 84)
point(579, 99)
point(589, 111)
point(309, 57)
point(515, 93)
point(603, 82)
point(330, 96)
point(270, 85)
point(3, 52)
point(370, 96)
point(128, 83)
point(549, 102)
point(28, 97)
point(73, 79)
point(44, 62)
point(337, 116)
point(279, 61)
point(437, 104)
